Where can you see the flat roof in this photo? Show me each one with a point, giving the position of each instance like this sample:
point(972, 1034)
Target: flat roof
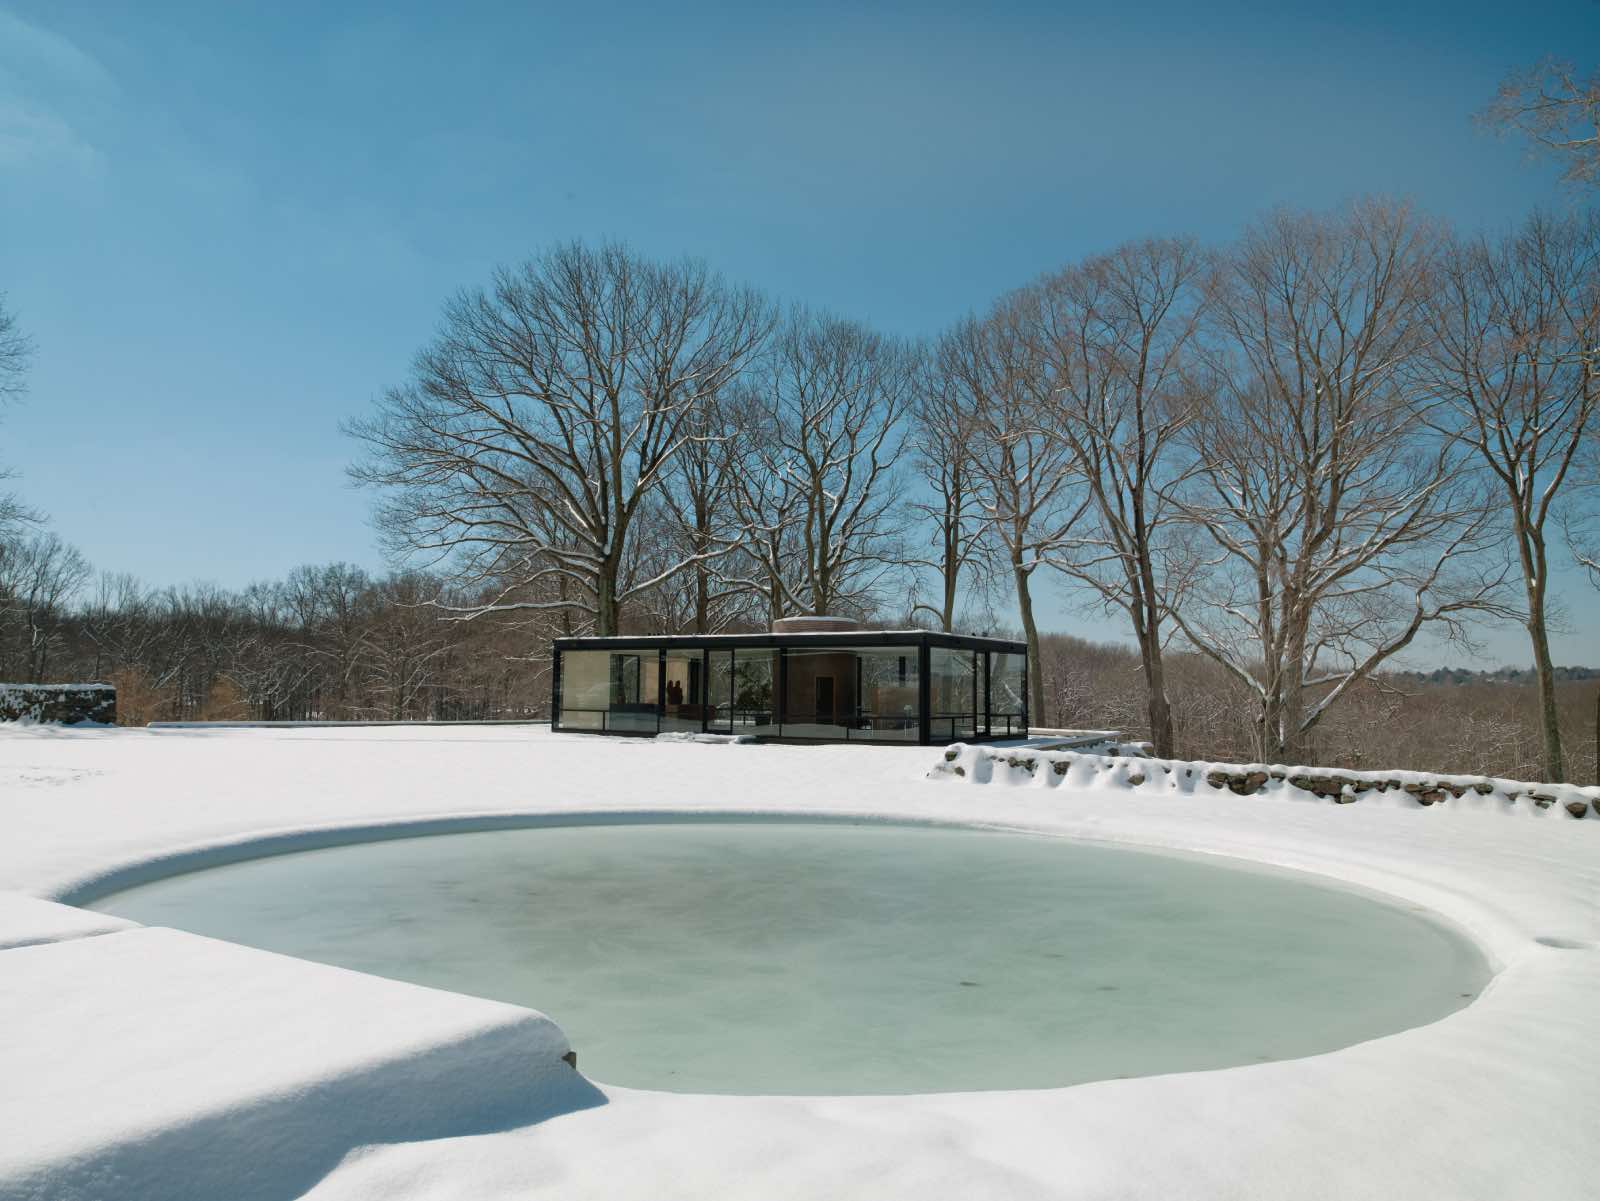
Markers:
point(911, 637)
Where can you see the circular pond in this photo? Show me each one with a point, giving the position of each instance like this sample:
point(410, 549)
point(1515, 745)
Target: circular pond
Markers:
point(764, 957)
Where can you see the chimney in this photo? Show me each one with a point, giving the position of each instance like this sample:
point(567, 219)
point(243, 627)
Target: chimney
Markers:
point(815, 625)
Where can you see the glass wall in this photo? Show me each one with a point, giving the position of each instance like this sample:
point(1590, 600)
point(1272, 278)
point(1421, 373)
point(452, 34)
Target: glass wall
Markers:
point(719, 692)
point(684, 705)
point(851, 693)
point(888, 693)
point(820, 701)
point(1008, 704)
point(585, 689)
point(805, 691)
point(954, 693)
point(610, 691)
point(755, 691)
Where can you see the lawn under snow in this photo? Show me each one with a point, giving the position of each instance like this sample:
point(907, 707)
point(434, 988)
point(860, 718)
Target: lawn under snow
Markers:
point(152, 1064)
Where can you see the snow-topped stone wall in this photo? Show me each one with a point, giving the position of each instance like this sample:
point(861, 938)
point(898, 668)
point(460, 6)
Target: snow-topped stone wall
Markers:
point(1131, 773)
point(68, 704)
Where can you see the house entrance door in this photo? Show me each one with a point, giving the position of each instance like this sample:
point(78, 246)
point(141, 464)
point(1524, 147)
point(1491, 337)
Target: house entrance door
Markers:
point(825, 707)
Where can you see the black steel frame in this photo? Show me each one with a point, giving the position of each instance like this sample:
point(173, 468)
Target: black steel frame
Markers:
point(923, 641)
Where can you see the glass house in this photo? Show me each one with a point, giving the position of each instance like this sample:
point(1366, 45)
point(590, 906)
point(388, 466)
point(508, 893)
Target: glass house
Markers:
point(888, 686)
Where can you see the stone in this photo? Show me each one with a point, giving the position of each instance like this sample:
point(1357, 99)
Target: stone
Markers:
point(67, 704)
point(1577, 808)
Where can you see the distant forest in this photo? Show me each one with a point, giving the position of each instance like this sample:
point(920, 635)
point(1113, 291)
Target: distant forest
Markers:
point(335, 643)
point(1499, 675)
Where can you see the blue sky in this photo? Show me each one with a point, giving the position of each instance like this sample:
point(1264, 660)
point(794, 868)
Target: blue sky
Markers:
point(227, 229)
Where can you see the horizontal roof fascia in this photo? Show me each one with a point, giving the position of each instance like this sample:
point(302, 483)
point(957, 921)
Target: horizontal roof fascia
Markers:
point(853, 638)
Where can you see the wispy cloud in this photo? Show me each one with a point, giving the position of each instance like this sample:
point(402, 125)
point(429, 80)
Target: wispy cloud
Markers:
point(30, 136)
point(50, 89)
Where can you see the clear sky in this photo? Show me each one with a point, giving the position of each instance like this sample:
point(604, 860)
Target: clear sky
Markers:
point(227, 227)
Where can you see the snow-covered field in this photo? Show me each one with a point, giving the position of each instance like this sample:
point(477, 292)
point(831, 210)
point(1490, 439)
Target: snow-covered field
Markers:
point(151, 1064)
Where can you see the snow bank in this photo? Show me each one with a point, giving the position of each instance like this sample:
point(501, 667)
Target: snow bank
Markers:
point(26, 921)
point(709, 739)
point(150, 1063)
point(317, 723)
point(1124, 773)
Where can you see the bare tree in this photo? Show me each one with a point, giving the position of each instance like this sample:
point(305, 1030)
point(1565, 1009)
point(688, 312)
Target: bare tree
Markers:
point(1338, 528)
point(1509, 324)
point(701, 523)
point(332, 606)
point(39, 577)
point(1024, 474)
point(817, 486)
point(546, 413)
point(405, 647)
point(1557, 108)
point(16, 352)
point(1117, 333)
point(942, 428)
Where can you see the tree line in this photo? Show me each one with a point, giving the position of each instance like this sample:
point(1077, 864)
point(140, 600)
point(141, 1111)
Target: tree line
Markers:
point(329, 642)
point(1292, 455)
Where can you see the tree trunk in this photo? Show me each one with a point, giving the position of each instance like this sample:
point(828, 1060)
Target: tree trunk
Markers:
point(1030, 631)
point(1159, 709)
point(1147, 632)
point(702, 599)
point(1534, 567)
point(702, 573)
point(1286, 742)
point(947, 614)
point(1549, 723)
point(605, 601)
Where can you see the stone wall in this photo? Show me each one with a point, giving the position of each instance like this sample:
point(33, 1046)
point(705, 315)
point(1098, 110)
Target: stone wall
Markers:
point(67, 704)
point(1345, 787)
point(1134, 773)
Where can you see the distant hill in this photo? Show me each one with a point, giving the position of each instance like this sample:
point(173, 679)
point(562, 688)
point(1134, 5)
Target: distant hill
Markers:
point(1500, 675)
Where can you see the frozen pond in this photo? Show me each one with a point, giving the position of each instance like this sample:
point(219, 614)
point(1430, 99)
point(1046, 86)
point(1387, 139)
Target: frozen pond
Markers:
point(769, 957)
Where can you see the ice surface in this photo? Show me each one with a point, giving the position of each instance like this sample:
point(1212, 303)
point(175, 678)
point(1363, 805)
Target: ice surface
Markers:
point(785, 958)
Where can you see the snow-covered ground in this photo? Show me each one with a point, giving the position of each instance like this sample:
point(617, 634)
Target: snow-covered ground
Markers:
point(141, 1063)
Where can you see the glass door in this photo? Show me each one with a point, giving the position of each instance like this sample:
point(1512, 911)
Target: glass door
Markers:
point(719, 692)
point(683, 703)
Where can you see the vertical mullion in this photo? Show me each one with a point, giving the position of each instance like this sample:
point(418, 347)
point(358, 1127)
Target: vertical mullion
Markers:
point(781, 708)
point(924, 692)
point(555, 692)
